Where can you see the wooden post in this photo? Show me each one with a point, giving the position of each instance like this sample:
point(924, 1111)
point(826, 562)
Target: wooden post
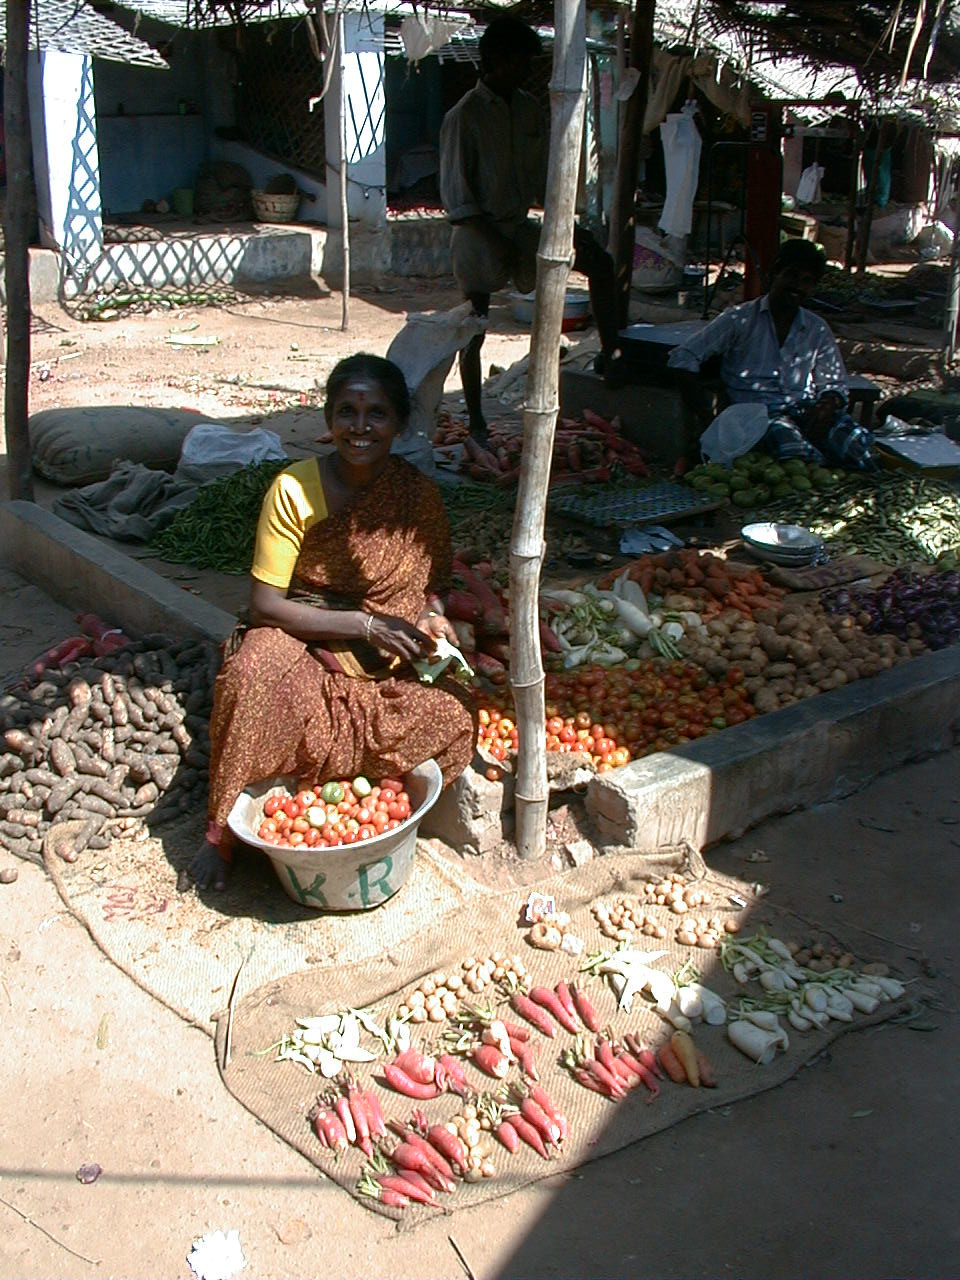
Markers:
point(344, 214)
point(554, 256)
point(852, 195)
point(866, 223)
point(622, 216)
point(952, 312)
point(16, 230)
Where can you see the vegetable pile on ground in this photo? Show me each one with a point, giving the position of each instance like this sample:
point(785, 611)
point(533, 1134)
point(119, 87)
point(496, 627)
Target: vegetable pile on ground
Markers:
point(908, 605)
point(894, 517)
point(106, 744)
point(218, 529)
point(417, 1107)
point(612, 715)
point(757, 478)
point(585, 451)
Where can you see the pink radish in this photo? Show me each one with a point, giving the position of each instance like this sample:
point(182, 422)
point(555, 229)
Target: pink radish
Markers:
point(551, 1002)
point(528, 1009)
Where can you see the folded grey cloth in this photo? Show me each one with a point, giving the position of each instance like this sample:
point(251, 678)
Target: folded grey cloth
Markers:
point(131, 505)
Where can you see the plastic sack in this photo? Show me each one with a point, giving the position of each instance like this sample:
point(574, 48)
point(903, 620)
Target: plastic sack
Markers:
point(808, 188)
point(424, 349)
point(734, 432)
point(212, 450)
point(657, 265)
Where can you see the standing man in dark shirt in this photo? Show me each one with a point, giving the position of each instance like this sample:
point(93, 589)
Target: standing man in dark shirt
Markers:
point(493, 168)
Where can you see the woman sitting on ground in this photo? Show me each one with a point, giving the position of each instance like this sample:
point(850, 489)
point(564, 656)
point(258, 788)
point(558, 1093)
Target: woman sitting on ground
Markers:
point(352, 555)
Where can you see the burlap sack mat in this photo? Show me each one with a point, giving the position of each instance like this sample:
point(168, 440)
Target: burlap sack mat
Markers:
point(281, 1093)
point(185, 949)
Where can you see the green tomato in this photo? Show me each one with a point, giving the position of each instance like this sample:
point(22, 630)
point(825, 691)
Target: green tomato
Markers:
point(316, 815)
point(361, 787)
point(331, 793)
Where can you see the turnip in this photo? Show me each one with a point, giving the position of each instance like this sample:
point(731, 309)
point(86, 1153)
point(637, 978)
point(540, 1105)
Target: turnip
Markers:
point(862, 1002)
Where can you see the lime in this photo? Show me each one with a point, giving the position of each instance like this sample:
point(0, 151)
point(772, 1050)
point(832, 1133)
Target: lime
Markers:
point(743, 497)
point(361, 787)
point(331, 793)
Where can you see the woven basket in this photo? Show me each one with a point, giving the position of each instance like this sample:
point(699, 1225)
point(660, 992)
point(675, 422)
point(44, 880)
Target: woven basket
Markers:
point(269, 208)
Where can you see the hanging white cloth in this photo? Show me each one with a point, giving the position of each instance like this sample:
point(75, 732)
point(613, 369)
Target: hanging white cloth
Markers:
point(681, 153)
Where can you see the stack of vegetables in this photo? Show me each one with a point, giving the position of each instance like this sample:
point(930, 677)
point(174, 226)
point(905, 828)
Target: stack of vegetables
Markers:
point(585, 451)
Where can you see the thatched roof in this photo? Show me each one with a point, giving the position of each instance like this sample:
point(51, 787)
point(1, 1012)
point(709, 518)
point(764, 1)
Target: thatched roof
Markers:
point(72, 26)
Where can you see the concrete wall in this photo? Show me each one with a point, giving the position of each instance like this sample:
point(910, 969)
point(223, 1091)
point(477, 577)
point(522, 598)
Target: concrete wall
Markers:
point(66, 157)
point(147, 157)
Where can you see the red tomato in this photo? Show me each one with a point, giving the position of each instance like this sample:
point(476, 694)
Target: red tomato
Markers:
point(301, 825)
point(350, 837)
point(380, 821)
point(272, 805)
point(366, 832)
point(364, 814)
point(387, 794)
point(295, 838)
point(312, 838)
point(567, 734)
point(291, 808)
point(305, 799)
point(392, 824)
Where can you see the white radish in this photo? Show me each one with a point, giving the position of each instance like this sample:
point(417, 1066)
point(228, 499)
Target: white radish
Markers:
point(891, 987)
point(714, 1010)
point(862, 1002)
point(797, 1021)
point(768, 1021)
point(779, 949)
point(867, 987)
point(839, 1007)
point(758, 1045)
point(816, 997)
point(673, 1015)
point(742, 972)
point(689, 1002)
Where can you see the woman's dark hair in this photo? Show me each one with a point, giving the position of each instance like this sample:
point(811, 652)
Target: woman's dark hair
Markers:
point(377, 369)
point(802, 254)
point(504, 38)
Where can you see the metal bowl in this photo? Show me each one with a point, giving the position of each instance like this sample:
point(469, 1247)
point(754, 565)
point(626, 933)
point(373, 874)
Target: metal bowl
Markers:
point(785, 544)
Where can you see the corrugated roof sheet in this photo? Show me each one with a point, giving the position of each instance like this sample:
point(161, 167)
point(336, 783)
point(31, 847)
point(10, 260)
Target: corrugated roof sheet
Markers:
point(72, 26)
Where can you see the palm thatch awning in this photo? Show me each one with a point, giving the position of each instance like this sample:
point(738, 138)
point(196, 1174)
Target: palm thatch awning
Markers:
point(73, 26)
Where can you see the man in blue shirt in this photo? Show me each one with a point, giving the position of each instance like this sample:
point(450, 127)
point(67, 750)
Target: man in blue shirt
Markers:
point(777, 353)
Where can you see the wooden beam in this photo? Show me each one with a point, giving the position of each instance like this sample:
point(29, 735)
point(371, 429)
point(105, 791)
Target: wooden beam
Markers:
point(622, 211)
point(16, 230)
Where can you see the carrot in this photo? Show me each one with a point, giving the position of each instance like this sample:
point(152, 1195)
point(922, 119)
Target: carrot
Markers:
point(681, 1042)
point(707, 1077)
point(671, 1065)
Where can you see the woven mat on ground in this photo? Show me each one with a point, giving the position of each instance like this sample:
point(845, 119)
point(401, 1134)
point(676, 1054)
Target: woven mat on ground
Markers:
point(185, 949)
point(281, 1093)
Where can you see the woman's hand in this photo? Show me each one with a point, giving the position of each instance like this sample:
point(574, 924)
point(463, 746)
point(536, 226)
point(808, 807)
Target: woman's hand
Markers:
point(436, 625)
point(394, 636)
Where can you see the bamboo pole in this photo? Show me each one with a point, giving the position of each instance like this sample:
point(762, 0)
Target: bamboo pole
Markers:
point(952, 310)
point(622, 215)
point(344, 213)
point(554, 256)
point(16, 125)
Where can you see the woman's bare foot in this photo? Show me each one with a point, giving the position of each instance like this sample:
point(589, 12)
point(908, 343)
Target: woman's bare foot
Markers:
point(207, 869)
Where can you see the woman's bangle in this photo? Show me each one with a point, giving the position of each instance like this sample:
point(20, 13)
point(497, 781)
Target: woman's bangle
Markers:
point(367, 625)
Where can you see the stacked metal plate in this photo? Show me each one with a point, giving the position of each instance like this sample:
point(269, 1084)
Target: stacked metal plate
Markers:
point(785, 544)
point(624, 506)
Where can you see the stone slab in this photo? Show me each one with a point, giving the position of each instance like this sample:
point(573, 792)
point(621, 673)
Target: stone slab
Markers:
point(816, 751)
point(85, 573)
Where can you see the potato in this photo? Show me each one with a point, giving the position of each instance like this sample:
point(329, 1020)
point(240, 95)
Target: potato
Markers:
point(766, 700)
point(716, 666)
point(754, 685)
point(800, 653)
point(717, 628)
point(765, 617)
point(787, 623)
point(780, 670)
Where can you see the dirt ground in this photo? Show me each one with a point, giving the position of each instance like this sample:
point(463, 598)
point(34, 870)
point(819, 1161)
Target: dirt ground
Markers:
point(273, 350)
point(848, 1169)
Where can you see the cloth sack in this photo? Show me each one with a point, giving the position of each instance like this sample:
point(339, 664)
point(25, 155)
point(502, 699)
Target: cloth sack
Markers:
point(80, 444)
point(424, 349)
point(734, 432)
point(212, 450)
